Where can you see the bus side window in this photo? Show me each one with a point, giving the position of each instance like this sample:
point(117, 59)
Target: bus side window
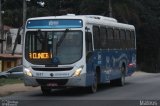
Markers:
point(128, 39)
point(89, 47)
point(96, 36)
point(110, 38)
point(122, 39)
point(116, 39)
point(133, 39)
point(103, 37)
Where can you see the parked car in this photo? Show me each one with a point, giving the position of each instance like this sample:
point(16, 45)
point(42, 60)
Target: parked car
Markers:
point(15, 72)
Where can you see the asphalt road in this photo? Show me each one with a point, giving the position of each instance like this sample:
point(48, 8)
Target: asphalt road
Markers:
point(141, 89)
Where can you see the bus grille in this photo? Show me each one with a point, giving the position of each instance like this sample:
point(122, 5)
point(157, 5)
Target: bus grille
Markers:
point(52, 69)
point(56, 81)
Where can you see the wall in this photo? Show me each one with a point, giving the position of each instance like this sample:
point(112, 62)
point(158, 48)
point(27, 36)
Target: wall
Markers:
point(8, 48)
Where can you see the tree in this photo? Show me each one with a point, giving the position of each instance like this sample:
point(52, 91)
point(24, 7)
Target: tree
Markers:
point(143, 14)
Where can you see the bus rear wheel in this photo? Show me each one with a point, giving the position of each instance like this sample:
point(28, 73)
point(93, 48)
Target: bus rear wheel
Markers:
point(120, 81)
point(45, 90)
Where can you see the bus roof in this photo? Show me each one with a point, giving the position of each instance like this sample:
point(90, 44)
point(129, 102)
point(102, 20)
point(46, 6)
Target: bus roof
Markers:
point(91, 19)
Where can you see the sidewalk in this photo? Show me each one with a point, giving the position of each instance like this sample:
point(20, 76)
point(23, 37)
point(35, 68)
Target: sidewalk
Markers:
point(12, 88)
point(140, 73)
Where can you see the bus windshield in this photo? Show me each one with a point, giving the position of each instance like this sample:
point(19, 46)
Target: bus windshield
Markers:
point(42, 47)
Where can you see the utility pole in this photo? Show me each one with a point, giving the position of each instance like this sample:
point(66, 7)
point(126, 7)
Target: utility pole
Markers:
point(23, 26)
point(1, 37)
point(110, 8)
point(1, 18)
point(24, 12)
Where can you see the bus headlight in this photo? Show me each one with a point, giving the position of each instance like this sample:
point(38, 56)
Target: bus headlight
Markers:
point(27, 72)
point(78, 71)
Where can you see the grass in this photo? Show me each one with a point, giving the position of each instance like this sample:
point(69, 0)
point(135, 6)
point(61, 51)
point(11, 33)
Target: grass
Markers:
point(4, 81)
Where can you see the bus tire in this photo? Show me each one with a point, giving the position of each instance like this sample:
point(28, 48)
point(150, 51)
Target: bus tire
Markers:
point(46, 91)
point(121, 80)
point(94, 86)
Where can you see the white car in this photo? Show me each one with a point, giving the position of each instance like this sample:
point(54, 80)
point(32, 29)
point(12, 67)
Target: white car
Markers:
point(15, 72)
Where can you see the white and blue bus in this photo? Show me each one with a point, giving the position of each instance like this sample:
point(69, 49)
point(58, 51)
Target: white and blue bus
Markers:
point(77, 51)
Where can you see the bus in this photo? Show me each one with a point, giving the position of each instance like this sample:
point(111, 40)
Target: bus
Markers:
point(77, 51)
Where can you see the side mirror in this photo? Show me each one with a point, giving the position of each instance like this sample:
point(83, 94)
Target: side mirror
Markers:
point(19, 35)
point(19, 39)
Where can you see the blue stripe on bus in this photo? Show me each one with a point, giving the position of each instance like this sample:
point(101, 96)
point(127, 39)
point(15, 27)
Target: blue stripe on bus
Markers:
point(109, 62)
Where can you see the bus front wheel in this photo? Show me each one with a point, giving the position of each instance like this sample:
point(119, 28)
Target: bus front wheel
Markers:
point(94, 86)
point(45, 90)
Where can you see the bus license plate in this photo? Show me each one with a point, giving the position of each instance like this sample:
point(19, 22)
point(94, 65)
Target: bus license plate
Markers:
point(52, 84)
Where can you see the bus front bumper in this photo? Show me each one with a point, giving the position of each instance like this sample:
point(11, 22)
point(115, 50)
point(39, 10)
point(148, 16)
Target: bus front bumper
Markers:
point(79, 81)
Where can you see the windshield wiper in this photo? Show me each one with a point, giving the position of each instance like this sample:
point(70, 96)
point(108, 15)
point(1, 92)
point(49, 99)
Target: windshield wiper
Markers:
point(40, 37)
point(61, 39)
